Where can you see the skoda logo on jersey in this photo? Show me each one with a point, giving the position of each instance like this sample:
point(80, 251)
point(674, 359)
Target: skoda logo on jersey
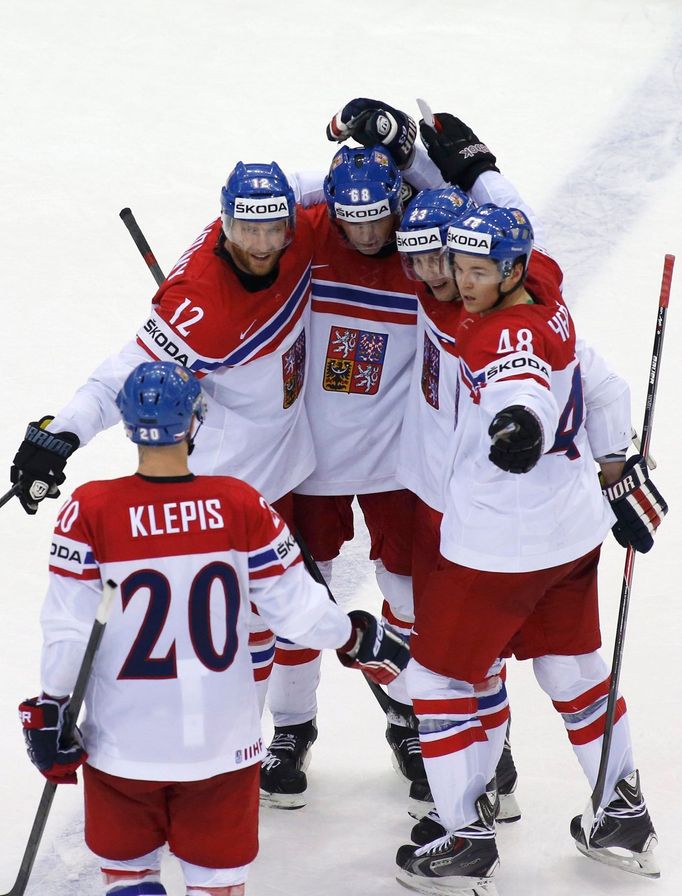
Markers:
point(360, 214)
point(261, 209)
point(468, 241)
point(419, 241)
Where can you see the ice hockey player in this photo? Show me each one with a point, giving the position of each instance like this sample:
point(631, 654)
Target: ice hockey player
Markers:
point(370, 122)
point(361, 352)
point(171, 741)
point(426, 444)
point(235, 310)
point(520, 541)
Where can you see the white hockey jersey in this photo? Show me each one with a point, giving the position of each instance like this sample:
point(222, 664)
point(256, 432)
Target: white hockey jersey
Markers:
point(505, 522)
point(364, 312)
point(249, 348)
point(172, 695)
point(427, 439)
point(427, 443)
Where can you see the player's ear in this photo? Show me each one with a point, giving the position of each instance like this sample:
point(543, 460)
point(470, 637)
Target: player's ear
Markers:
point(517, 272)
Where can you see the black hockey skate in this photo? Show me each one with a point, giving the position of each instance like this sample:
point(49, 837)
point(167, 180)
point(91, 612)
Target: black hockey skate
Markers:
point(406, 752)
point(624, 825)
point(283, 782)
point(429, 828)
point(507, 779)
point(459, 863)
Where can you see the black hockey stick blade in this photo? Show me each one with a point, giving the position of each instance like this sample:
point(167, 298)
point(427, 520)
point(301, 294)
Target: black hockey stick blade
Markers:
point(143, 246)
point(45, 804)
point(9, 495)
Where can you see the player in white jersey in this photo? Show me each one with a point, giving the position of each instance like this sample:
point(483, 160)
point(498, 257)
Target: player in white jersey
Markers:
point(361, 352)
point(427, 443)
point(235, 310)
point(518, 571)
point(361, 357)
point(171, 739)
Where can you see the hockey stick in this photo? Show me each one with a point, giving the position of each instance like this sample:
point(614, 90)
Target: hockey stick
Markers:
point(594, 806)
point(10, 494)
point(380, 694)
point(128, 219)
point(49, 790)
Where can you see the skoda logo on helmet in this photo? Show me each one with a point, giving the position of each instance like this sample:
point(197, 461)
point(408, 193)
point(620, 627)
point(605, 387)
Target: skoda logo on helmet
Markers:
point(469, 241)
point(263, 209)
point(361, 214)
point(419, 240)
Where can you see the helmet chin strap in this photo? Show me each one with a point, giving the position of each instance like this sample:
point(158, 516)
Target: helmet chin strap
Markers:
point(191, 437)
point(501, 296)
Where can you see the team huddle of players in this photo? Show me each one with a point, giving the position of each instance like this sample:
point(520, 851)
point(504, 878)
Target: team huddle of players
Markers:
point(396, 333)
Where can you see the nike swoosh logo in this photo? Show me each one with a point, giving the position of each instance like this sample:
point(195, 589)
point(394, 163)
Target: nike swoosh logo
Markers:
point(242, 335)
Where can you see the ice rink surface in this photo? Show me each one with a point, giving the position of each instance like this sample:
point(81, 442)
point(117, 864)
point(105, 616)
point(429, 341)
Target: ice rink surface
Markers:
point(149, 104)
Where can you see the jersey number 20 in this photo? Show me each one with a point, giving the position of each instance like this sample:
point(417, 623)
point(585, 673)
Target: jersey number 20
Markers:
point(139, 663)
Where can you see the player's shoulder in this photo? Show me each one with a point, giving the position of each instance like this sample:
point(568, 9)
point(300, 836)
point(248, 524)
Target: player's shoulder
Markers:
point(244, 507)
point(92, 501)
point(97, 491)
point(199, 255)
point(313, 216)
point(236, 492)
point(543, 330)
point(544, 279)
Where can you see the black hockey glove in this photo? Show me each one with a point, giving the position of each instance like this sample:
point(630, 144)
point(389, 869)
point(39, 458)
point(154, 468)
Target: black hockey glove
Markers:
point(371, 122)
point(456, 150)
point(516, 439)
point(374, 649)
point(637, 504)
point(39, 463)
point(54, 754)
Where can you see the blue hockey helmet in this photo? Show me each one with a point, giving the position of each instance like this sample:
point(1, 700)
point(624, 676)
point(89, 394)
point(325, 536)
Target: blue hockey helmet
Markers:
point(258, 194)
point(503, 234)
point(158, 402)
point(363, 185)
point(424, 230)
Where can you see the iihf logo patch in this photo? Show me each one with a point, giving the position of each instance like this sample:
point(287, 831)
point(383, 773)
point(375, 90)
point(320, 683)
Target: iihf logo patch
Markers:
point(430, 372)
point(293, 370)
point(355, 360)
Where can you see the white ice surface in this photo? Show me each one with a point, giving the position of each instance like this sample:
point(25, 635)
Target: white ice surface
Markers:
point(149, 104)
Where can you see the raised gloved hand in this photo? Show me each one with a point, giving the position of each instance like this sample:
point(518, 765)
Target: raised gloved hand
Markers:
point(516, 439)
point(39, 463)
point(372, 122)
point(637, 504)
point(56, 753)
point(374, 649)
point(456, 150)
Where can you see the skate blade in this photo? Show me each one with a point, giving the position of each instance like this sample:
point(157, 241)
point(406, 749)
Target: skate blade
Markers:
point(642, 863)
point(509, 808)
point(447, 886)
point(282, 800)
